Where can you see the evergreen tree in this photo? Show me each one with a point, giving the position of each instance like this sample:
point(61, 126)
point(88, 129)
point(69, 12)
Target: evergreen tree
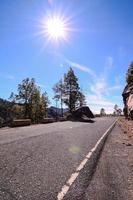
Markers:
point(81, 99)
point(71, 90)
point(44, 104)
point(34, 104)
point(68, 92)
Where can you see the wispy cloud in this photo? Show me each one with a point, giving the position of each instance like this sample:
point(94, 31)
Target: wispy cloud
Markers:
point(101, 101)
point(7, 76)
point(81, 67)
point(101, 93)
point(109, 62)
point(98, 87)
point(115, 87)
point(76, 65)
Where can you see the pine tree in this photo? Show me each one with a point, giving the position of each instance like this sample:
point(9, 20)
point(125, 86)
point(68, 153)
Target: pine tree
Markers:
point(81, 99)
point(71, 90)
point(44, 104)
point(35, 105)
point(68, 92)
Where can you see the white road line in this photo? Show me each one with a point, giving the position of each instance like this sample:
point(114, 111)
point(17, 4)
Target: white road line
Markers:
point(63, 192)
point(73, 177)
point(82, 164)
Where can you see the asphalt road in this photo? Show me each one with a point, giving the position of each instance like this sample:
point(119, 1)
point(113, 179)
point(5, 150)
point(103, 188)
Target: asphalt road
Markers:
point(36, 161)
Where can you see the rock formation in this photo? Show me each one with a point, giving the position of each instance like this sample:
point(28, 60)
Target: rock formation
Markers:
point(81, 114)
point(128, 94)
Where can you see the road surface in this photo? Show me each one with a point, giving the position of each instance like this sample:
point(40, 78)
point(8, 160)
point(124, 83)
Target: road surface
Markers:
point(36, 161)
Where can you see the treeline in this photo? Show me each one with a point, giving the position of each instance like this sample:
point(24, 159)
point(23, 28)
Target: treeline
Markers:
point(30, 103)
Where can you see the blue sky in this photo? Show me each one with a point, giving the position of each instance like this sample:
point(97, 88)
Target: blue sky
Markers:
point(99, 47)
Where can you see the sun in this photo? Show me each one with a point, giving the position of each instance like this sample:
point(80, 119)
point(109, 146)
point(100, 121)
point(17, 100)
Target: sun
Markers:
point(56, 28)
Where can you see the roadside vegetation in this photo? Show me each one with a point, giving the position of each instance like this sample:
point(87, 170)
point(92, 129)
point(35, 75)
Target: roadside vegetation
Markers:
point(30, 103)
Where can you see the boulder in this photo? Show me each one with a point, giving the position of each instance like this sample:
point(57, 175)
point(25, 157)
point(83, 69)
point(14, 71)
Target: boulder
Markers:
point(81, 114)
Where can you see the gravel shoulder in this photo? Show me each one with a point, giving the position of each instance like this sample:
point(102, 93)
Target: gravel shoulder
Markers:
point(113, 179)
point(127, 127)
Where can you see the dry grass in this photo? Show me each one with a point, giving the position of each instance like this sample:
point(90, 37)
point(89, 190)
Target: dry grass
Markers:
point(126, 126)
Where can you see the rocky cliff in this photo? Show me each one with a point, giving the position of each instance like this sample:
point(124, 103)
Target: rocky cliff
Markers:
point(128, 93)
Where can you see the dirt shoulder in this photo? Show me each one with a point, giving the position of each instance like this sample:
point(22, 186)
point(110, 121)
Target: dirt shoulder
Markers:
point(127, 127)
point(113, 179)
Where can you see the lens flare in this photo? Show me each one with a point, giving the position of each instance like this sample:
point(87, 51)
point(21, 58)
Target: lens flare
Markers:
point(56, 28)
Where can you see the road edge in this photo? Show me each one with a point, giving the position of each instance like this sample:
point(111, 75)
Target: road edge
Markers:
point(91, 160)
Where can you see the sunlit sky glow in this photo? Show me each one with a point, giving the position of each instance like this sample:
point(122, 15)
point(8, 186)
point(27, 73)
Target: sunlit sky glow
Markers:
point(55, 28)
point(42, 39)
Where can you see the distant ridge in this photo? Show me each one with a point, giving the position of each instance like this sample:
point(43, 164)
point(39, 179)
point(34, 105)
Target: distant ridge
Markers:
point(56, 112)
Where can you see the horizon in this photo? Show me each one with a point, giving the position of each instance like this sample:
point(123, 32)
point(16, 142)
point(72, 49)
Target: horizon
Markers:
point(97, 45)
